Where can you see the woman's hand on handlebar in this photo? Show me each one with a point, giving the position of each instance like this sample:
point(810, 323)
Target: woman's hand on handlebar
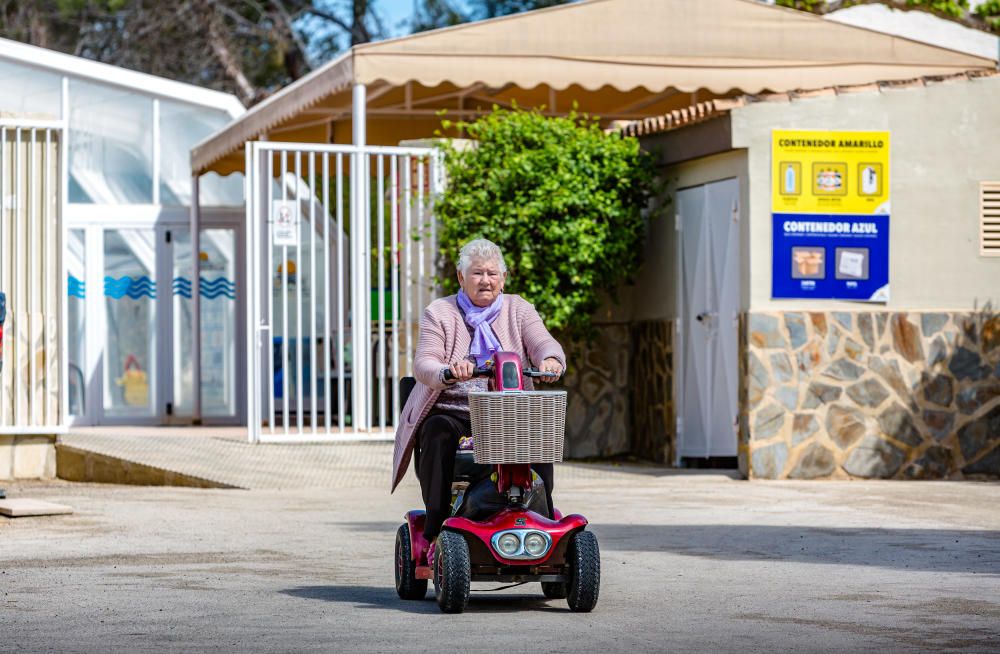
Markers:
point(551, 365)
point(461, 370)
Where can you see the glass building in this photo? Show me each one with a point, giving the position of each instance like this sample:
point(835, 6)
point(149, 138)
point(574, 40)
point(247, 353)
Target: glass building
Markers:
point(127, 246)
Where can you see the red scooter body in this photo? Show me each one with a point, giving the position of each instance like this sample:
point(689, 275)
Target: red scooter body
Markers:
point(486, 559)
point(569, 567)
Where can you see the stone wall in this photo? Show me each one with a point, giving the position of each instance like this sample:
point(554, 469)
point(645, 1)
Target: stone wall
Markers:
point(621, 393)
point(653, 423)
point(597, 420)
point(870, 394)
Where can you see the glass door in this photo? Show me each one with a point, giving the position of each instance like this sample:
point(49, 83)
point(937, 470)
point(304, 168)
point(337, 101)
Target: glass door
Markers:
point(220, 332)
point(130, 291)
point(130, 325)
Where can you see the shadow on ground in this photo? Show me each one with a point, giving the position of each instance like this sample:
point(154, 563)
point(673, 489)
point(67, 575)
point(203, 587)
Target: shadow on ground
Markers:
point(384, 597)
point(648, 469)
point(933, 550)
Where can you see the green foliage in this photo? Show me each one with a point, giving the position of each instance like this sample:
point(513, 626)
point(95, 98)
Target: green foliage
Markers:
point(987, 9)
point(804, 5)
point(985, 17)
point(562, 199)
point(953, 8)
point(989, 12)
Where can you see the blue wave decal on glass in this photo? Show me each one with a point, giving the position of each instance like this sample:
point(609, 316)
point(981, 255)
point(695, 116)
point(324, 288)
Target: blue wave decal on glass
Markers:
point(182, 287)
point(209, 288)
point(76, 287)
point(134, 288)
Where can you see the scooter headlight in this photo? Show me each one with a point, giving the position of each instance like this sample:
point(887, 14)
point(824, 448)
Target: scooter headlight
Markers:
point(535, 544)
point(509, 544)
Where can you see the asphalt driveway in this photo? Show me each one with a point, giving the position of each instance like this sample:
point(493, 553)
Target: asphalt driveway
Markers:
point(691, 562)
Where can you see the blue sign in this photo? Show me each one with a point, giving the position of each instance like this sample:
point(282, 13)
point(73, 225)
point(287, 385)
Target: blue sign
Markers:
point(830, 256)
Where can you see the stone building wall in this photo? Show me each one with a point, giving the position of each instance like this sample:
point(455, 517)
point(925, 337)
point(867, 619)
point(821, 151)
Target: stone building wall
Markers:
point(653, 422)
point(870, 394)
point(597, 421)
point(621, 393)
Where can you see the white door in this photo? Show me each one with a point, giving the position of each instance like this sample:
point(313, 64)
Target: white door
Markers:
point(708, 224)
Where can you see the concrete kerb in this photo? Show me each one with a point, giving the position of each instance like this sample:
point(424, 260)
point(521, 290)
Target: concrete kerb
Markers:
point(81, 465)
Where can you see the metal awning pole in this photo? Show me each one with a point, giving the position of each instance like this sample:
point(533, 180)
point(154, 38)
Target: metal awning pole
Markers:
point(195, 299)
point(359, 283)
point(253, 301)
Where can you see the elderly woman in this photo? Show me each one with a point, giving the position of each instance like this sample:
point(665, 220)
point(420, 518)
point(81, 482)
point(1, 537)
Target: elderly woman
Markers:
point(459, 333)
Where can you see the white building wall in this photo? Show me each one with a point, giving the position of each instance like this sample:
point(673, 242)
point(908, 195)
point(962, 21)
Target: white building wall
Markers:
point(944, 143)
point(654, 294)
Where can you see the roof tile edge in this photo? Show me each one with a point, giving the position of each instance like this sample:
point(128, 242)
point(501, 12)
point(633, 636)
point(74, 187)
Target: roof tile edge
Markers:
point(702, 111)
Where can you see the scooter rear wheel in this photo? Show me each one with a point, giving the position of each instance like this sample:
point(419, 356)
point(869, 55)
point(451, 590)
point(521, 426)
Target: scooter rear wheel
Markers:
point(452, 572)
point(408, 587)
point(584, 562)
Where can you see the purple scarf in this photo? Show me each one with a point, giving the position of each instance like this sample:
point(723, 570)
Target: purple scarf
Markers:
point(484, 342)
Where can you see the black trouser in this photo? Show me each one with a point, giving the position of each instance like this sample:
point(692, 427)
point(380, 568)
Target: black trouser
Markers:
point(437, 443)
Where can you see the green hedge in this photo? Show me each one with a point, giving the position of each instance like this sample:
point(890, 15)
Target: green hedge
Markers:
point(564, 201)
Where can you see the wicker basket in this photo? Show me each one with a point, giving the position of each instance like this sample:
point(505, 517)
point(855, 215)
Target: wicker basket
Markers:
point(518, 427)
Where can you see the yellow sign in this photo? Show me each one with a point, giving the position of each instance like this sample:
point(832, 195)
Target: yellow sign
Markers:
point(829, 172)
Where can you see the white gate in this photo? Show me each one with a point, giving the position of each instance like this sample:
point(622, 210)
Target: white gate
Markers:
point(708, 221)
point(31, 275)
point(340, 255)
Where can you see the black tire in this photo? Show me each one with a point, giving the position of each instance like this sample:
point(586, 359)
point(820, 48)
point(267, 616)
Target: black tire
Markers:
point(452, 572)
point(407, 585)
point(554, 589)
point(583, 560)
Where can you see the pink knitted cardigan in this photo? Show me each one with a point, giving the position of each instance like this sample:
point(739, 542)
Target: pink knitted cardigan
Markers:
point(445, 338)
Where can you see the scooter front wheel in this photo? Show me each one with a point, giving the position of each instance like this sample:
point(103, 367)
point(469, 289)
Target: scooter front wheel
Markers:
point(452, 572)
point(584, 563)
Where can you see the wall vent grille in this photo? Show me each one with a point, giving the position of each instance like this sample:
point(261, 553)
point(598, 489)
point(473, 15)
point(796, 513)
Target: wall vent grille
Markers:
point(989, 219)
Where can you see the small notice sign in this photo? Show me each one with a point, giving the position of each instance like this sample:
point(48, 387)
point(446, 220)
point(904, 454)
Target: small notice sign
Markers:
point(284, 223)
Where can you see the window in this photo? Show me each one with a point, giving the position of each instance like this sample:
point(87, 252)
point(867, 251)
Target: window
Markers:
point(110, 145)
point(182, 127)
point(989, 219)
point(29, 92)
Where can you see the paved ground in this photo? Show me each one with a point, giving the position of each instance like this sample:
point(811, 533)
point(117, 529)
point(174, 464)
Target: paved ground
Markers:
point(692, 562)
point(223, 455)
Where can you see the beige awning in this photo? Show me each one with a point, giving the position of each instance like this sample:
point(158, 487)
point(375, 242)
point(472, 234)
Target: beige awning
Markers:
point(619, 59)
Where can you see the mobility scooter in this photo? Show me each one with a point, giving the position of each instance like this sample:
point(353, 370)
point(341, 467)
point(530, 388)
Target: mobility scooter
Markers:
point(501, 528)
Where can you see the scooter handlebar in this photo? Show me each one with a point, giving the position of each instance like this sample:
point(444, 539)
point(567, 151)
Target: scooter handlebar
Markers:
point(486, 372)
point(478, 372)
point(534, 372)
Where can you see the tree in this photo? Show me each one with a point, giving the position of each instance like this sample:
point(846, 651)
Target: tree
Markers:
point(493, 8)
point(562, 199)
point(247, 47)
point(985, 16)
point(432, 14)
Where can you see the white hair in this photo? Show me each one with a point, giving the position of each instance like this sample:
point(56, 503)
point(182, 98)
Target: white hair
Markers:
point(480, 248)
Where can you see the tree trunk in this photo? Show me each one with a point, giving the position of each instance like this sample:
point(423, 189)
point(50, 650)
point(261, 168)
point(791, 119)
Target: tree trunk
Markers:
point(359, 31)
point(222, 52)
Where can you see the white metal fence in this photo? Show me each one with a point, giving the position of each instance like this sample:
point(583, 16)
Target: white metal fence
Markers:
point(31, 275)
point(340, 254)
